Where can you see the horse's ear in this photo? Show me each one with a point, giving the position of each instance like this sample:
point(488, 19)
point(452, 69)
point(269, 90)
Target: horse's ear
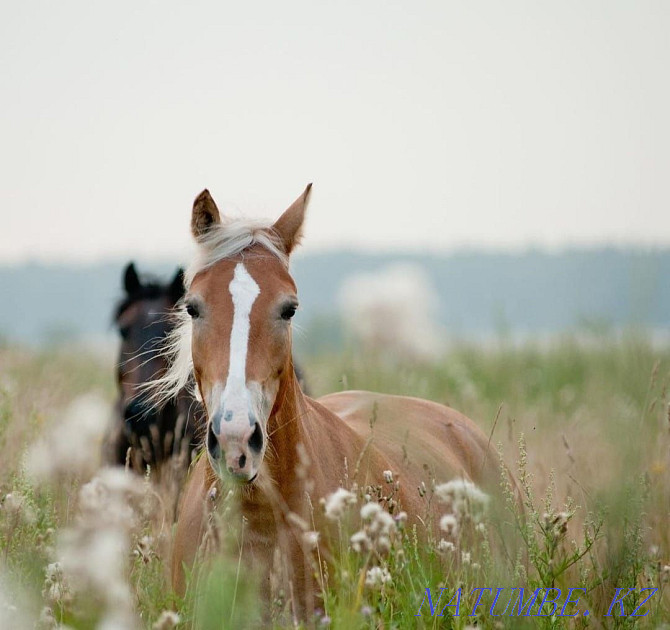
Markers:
point(177, 286)
point(205, 214)
point(289, 225)
point(131, 281)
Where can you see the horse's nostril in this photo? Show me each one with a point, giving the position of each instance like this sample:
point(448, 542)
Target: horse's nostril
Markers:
point(213, 444)
point(256, 439)
point(243, 460)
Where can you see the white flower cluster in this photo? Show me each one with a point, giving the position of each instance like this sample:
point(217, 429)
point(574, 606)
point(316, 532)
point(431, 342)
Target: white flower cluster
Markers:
point(377, 577)
point(378, 528)
point(55, 591)
point(13, 606)
point(556, 525)
point(463, 499)
point(72, 445)
point(337, 503)
point(16, 510)
point(94, 551)
point(465, 503)
point(168, 620)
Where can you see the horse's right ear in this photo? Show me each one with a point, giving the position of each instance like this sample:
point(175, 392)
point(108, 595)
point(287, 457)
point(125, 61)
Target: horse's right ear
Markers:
point(131, 281)
point(205, 214)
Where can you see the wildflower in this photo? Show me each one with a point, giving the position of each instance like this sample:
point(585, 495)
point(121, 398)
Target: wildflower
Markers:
point(465, 557)
point(377, 576)
point(383, 544)
point(144, 549)
point(310, 539)
point(18, 509)
point(55, 590)
point(66, 449)
point(337, 503)
point(380, 521)
point(449, 524)
point(401, 518)
point(46, 619)
point(366, 611)
point(463, 498)
point(445, 546)
point(93, 551)
point(370, 510)
point(556, 524)
point(360, 542)
point(388, 476)
point(12, 605)
point(665, 573)
point(168, 620)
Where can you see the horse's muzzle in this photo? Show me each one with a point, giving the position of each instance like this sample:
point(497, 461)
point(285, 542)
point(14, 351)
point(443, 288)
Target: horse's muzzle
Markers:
point(237, 455)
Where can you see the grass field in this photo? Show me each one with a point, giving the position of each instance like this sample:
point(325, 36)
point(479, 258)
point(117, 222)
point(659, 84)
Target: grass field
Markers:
point(586, 428)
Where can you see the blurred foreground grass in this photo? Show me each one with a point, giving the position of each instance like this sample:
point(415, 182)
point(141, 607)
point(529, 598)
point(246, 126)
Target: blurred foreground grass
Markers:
point(589, 424)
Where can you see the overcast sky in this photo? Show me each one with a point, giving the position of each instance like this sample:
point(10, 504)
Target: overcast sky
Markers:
point(422, 124)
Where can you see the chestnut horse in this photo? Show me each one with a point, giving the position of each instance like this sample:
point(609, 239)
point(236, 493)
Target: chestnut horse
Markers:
point(282, 449)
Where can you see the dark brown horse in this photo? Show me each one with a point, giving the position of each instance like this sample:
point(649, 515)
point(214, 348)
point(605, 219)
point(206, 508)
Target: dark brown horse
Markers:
point(144, 433)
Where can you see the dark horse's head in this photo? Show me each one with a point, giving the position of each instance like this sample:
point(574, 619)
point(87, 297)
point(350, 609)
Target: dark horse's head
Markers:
point(143, 320)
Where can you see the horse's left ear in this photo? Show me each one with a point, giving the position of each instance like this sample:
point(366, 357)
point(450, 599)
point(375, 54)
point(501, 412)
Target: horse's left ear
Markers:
point(177, 286)
point(289, 225)
point(205, 214)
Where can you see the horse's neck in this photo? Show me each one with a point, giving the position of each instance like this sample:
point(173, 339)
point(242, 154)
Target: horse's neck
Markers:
point(285, 432)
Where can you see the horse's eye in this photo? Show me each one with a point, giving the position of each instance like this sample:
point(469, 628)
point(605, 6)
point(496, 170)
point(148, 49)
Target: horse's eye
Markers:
point(124, 331)
point(288, 311)
point(192, 310)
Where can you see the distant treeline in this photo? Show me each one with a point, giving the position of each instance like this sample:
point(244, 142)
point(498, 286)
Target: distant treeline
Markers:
point(479, 293)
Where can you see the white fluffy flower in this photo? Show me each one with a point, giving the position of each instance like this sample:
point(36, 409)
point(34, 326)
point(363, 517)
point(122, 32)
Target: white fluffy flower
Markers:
point(463, 498)
point(17, 508)
point(360, 542)
point(377, 576)
point(388, 476)
point(72, 445)
point(95, 550)
point(445, 546)
point(380, 521)
point(310, 539)
point(449, 525)
point(168, 620)
point(337, 503)
point(370, 510)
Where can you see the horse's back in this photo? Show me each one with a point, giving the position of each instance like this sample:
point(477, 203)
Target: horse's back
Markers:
point(416, 434)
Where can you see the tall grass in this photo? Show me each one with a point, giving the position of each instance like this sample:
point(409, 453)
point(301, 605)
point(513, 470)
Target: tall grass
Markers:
point(585, 428)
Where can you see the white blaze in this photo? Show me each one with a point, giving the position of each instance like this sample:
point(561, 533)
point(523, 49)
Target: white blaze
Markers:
point(235, 398)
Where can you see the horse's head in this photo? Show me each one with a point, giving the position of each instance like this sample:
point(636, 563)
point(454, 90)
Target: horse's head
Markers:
point(142, 319)
point(240, 301)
